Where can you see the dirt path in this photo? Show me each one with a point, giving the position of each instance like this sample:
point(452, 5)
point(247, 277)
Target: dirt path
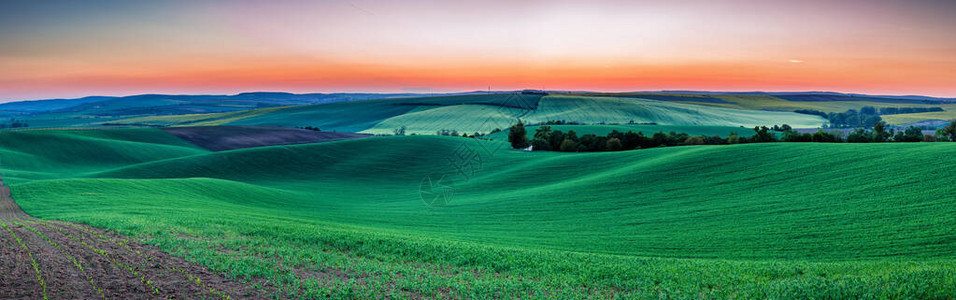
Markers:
point(42, 259)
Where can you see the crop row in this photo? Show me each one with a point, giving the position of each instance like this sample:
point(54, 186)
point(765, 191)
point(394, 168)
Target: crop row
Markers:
point(125, 244)
point(76, 263)
point(33, 261)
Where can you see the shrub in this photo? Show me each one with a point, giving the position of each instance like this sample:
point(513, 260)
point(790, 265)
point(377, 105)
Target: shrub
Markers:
point(569, 146)
point(540, 144)
point(518, 136)
point(614, 144)
point(694, 140)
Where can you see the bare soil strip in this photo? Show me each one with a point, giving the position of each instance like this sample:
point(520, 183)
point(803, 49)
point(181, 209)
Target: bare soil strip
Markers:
point(221, 138)
point(42, 259)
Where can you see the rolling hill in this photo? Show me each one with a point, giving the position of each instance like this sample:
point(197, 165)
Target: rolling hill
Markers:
point(484, 113)
point(737, 221)
point(385, 112)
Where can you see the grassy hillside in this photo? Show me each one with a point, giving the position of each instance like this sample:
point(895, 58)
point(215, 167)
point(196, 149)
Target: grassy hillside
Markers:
point(948, 115)
point(624, 110)
point(484, 113)
point(470, 112)
point(358, 116)
point(742, 221)
point(68, 153)
point(212, 119)
point(778, 103)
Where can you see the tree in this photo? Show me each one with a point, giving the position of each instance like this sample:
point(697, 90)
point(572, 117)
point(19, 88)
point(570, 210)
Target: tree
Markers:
point(733, 138)
point(400, 130)
point(762, 134)
point(823, 137)
point(543, 132)
point(569, 146)
point(950, 131)
point(539, 144)
point(859, 135)
point(659, 139)
point(518, 136)
point(572, 136)
point(694, 140)
point(589, 141)
point(785, 127)
point(614, 144)
point(556, 138)
point(871, 121)
point(879, 132)
point(910, 135)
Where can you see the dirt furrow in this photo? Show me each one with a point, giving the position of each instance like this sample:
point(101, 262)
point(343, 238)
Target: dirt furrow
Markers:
point(18, 278)
point(62, 260)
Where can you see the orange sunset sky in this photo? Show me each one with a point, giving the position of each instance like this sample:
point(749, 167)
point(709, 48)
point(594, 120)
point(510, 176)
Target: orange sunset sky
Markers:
point(81, 48)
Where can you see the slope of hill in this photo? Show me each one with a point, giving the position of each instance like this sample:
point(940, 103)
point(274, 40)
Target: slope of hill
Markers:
point(58, 153)
point(174, 110)
point(624, 110)
point(740, 221)
point(484, 113)
point(91, 111)
point(219, 138)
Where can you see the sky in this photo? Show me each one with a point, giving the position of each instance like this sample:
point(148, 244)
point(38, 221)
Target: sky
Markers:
point(66, 49)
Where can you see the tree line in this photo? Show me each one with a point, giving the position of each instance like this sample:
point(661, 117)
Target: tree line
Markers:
point(14, 123)
point(546, 139)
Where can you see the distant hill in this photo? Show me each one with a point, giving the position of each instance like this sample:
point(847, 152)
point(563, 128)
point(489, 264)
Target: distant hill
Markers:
point(472, 111)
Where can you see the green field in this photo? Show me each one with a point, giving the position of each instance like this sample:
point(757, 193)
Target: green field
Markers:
point(484, 113)
point(476, 112)
point(346, 219)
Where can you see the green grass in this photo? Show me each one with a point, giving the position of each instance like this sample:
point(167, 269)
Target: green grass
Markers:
point(738, 221)
point(466, 118)
point(210, 119)
point(39, 153)
point(359, 116)
point(771, 103)
point(901, 119)
point(623, 110)
point(470, 113)
point(484, 113)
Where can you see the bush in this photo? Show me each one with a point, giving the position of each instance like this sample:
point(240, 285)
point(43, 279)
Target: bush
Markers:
point(569, 145)
point(518, 136)
point(539, 144)
point(694, 140)
point(614, 144)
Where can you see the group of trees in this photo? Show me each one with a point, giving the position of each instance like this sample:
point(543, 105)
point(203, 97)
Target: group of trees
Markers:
point(545, 139)
point(14, 123)
point(310, 128)
point(452, 132)
point(907, 110)
point(866, 117)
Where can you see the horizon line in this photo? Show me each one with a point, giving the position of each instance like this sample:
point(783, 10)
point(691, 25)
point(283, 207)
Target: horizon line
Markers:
point(4, 101)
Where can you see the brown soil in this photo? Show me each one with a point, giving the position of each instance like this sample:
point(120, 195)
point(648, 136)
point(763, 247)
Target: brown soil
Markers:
point(220, 138)
point(58, 260)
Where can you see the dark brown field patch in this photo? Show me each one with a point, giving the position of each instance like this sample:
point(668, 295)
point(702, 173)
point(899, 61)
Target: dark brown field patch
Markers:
point(221, 138)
